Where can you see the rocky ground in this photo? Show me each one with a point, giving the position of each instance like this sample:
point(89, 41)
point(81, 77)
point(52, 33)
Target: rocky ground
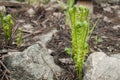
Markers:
point(44, 29)
point(108, 28)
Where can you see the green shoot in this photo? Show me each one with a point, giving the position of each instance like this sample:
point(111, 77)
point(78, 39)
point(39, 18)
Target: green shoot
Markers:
point(80, 30)
point(69, 6)
point(91, 31)
point(1, 15)
point(19, 37)
point(66, 8)
point(70, 3)
point(62, 5)
point(98, 40)
point(68, 50)
point(7, 24)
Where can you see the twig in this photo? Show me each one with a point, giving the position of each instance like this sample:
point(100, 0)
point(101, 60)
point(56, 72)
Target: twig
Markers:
point(49, 67)
point(3, 75)
point(4, 67)
point(6, 77)
point(32, 34)
point(91, 31)
point(15, 28)
point(26, 31)
point(13, 3)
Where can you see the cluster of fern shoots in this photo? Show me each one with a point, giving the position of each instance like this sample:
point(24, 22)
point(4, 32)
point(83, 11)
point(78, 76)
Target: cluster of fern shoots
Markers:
point(80, 31)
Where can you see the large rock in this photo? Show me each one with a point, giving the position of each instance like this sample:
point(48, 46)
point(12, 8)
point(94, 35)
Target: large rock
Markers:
point(99, 66)
point(34, 63)
point(44, 38)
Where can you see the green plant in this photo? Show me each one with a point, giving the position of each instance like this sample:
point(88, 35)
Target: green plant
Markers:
point(80, 30)
point(98, 40)
point(7, 24)
point(61, 4)
point(1, 15)
point(68, 50)
point(19, 37)
point(66, 8)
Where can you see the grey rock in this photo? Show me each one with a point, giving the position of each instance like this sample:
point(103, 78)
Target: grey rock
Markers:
point(116, 56)
point(44, 38)
point(28, 27)
point(31, 12)
point(2, 9)
point(106, 19)
point(116, 27)
point(108, 9)
point(99, 66)
point(115, 7)
point(66, 60)
point(104, 5)
point(34, 63)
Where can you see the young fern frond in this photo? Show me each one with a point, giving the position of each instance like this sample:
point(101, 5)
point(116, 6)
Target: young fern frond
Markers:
point(66, 8)
point(70, 3)
point(7, 24)
point(80, 31)
point(19, 37)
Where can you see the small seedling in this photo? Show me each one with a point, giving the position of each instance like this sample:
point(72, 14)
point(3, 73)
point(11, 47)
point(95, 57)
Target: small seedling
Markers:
point(68, 50)
point(7, 24)
point(19, 37)
point(98, 40)
point(1, 15)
